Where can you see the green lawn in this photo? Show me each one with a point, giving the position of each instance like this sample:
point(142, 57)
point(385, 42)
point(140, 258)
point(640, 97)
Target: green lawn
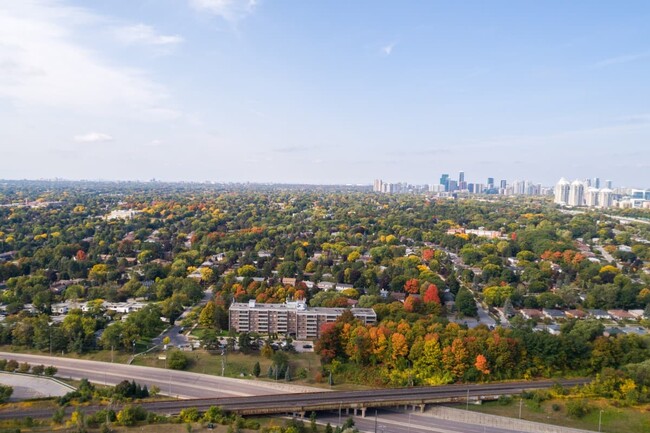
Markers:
point(614, 419)
point(238, 364)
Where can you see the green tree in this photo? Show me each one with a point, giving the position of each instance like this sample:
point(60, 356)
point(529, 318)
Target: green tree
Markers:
point(177, 360)
point(465, 303)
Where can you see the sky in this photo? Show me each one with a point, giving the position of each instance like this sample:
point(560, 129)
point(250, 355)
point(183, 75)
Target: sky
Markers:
point(325, 92)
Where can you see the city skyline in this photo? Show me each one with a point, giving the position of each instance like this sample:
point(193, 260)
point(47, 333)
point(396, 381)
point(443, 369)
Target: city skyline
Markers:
point(331, 93)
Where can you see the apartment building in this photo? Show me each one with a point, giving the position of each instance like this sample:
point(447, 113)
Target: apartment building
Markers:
point(293, 318)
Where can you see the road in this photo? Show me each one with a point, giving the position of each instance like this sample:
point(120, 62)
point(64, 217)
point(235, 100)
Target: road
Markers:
point(399, 422)
point(174, 383)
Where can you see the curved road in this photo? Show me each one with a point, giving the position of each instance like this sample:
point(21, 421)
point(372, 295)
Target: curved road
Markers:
point(174, 383)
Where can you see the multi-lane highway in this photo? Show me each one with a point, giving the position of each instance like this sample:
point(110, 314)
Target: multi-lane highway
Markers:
point(174, 383)
point(251, 397)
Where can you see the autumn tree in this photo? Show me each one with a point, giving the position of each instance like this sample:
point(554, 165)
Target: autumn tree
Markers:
point(412, 286)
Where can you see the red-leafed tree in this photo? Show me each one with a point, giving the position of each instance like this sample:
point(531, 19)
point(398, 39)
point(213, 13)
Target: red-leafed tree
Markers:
point(428, 254)
point(81, 256)
point(329, 343)
point(412, 286)
point(431, 294)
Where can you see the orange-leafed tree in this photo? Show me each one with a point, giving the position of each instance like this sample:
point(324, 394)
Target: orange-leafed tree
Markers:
point(412, 286)
point(428, 254)
point(481, 364)
point(412, 304)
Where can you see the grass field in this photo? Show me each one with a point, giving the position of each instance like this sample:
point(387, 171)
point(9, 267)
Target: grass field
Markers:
point(238, 364)
point(614, 419)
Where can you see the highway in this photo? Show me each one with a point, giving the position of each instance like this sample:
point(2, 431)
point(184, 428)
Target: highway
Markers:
point(400, 422)
point(180, 384)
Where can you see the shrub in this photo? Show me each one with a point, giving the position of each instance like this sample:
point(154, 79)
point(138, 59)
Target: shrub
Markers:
point(38, 369)
point(578, 408)
point(5, 393)
point(11, 365)
point(190, 414)
point(24, 367)
point(50, 370)
point(505, 400)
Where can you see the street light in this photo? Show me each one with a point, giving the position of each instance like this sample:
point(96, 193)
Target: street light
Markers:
point(49, 327)
point(600, 420)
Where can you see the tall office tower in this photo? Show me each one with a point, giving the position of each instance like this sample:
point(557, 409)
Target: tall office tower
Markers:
point(444, 180)
point(576, 193)
point(376, 186)
point(490, 182)
point(452, 185)
point(587, 182)
point(503, 184)
point(591, 197)
point(562, 191)
point(596, 183)
point(608, 184)
point(461, 177)
point(519, 187)
point(605, 198)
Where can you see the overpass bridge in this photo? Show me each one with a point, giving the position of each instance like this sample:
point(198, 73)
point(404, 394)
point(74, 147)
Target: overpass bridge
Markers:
point(356, 401)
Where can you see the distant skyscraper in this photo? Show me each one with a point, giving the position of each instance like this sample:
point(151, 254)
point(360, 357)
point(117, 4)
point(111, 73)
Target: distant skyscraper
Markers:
point(503, 184)
point(591, 197)
point(562, 189)
point(452, 185)
point(597, 183)
point(444, 180)
point(605, 198)
point(608, 184)
point(461, 177)
point(490, 182)
point(577, 193)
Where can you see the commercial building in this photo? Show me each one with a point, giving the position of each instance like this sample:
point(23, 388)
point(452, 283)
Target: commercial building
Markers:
point(290, 318)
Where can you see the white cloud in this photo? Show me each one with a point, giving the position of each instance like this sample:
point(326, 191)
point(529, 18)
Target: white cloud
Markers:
point(627, 58)
point(230, 10)
point(142, 34)
point(43, 63)
point(388, 49)
point(93, 137)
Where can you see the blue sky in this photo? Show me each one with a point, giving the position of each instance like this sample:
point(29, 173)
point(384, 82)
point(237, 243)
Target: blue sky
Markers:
point(325, 92)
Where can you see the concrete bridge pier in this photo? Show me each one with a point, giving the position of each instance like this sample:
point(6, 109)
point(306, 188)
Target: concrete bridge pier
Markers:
point(363, 412)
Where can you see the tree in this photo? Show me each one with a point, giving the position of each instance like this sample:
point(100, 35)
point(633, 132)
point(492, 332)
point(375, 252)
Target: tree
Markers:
point(5, 393)
point(465, 303)
point(208, 315)
point(257, 369)
point(177, 360)
point(412, 286)
point(481, 364)
point(431, 295)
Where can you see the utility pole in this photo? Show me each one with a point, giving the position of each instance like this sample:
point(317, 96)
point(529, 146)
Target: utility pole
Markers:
point(521, 403)
point(375, 420)
point(467, 400)
point(340, 404)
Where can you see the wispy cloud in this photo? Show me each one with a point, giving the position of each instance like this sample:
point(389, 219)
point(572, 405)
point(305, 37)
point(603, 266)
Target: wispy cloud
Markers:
point(142, 34)
point(229, 10)
point(93, 137)
point(45, 64)
point(387, 50)
point(627, 58)
point(292, 149)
